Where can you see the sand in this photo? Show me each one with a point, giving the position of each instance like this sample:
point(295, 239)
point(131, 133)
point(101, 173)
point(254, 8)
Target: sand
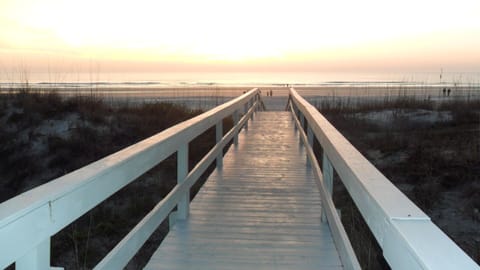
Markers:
point(210, 96)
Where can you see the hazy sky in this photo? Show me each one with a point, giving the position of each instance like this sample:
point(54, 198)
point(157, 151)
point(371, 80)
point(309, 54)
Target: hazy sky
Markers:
point(247, 35)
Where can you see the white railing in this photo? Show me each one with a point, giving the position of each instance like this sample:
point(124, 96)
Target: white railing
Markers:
point(28, 220)
point(406, 235)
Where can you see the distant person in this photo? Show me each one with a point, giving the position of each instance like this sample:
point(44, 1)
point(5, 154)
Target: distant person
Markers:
point(271, 93)
point(444, 91)
point(448, 92)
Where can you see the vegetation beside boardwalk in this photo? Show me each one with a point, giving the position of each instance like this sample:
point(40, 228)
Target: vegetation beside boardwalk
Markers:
point(429, 149)
point(44, 136)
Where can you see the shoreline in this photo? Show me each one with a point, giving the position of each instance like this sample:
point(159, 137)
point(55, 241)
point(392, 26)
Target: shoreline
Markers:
point(230, 91)
point(209, 97)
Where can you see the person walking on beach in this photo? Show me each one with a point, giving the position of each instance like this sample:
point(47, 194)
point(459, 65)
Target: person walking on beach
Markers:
point(444, 91)
point(448, 92)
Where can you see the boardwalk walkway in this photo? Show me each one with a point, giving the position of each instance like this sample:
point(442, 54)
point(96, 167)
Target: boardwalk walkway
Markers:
point(261, 211)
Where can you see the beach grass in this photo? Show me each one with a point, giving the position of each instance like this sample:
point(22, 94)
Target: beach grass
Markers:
point(430, 149)
point(47, 135)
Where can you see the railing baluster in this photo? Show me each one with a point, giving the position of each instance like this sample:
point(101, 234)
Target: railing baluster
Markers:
point(245, 112)
point(250, 105)
point(182, 171)
point(302, 120)
point(36, 259)
point(327, 171)
point(235, 122)
point(310, 142)
point(294, 114)
point(302, 123)
point(218, 138)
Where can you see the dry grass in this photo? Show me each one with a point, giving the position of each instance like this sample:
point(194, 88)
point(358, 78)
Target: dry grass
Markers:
point(431, 162)
point(99, 129)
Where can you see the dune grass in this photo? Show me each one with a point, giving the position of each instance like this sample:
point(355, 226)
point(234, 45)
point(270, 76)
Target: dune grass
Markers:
point(33, 152)
point(434, 161)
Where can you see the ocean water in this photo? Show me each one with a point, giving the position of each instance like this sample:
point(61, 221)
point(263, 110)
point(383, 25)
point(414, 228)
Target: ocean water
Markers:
point(208, 89)
point(237, 79)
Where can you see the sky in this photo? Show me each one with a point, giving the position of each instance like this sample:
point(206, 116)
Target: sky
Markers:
point(247, 35)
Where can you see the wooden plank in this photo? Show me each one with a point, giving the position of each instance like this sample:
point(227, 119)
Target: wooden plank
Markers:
point(260, 211)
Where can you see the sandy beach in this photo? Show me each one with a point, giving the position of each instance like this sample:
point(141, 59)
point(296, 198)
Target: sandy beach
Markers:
point(211, 96)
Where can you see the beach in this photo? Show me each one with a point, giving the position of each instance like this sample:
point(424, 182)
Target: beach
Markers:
point(207, 97)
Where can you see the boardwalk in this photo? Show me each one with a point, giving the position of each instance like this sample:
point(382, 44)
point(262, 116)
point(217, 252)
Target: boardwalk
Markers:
point(262, 211)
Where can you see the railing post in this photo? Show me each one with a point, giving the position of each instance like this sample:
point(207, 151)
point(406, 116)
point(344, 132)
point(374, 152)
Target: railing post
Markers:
point(327, 171)
point(235, 122)
point(302, 120)
point(292, 109)
point(294, 114)
point(310, 142)
point(250, 105)
point(245, 113)
point(302, 123)
point(182, 171)
point(36, 259)
point(218, 138)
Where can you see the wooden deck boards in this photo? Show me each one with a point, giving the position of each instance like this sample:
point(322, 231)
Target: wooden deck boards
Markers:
point(261, 211)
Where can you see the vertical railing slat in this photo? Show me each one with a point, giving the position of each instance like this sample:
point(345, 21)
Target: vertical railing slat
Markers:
point(302, 123)
point(218, 138)
point(182, 171)
point(310, 142)
point(327, 171)
point(235, 122)
point(36, 259)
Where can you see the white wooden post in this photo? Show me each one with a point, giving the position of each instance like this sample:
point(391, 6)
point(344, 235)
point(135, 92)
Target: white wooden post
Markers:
point(310, 142)
point(327, 171)
point(36, 259)
point(218, 138)
point(182, 171)
point(245, 112)
point(235, 122)
point(302, 123)
point(302, 119)
point(250, 104)
point(294, 114)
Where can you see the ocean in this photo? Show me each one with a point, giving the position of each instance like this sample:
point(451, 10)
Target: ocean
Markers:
point(236, 79)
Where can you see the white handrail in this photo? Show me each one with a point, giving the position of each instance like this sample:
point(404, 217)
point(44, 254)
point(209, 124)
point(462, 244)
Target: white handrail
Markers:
point(28, 220)
point(344, 247)
point(407, 236)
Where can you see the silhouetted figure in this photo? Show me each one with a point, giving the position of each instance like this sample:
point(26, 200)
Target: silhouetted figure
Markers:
point(444, 91)
point(448, 92)
point(271, 93)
